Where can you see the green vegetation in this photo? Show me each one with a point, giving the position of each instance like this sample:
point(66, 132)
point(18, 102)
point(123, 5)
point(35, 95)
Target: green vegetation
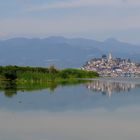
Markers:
point(77, 73)
point(17, 78)
point(10, 75)
point(39, 74)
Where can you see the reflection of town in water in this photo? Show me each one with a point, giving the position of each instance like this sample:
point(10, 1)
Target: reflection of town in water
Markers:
point(108, 87)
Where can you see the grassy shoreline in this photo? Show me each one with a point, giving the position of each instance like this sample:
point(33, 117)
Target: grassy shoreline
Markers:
point(41, 74)
point(17, 78)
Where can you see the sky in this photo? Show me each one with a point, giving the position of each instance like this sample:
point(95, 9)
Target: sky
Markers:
point(95, 19)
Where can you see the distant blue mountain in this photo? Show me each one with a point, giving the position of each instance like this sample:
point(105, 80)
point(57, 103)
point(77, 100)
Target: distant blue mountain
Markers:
point(61, 52)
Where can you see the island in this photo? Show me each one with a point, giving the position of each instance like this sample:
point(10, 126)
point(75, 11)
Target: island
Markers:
point(113, 67)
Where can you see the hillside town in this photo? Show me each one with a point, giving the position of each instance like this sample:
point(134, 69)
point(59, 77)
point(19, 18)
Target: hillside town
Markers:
point(113, 67)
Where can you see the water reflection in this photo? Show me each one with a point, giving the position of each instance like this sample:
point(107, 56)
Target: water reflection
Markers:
point(110, 87)
point(90, 125)
point(72, 112)
point(65, 96)
point(9, 87)
point(106, 87)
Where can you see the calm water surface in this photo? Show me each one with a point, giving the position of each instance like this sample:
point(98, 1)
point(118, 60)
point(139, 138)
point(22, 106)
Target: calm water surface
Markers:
point(104, 109)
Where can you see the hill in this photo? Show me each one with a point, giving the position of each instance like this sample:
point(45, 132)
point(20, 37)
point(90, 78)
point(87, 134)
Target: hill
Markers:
point(61, 52)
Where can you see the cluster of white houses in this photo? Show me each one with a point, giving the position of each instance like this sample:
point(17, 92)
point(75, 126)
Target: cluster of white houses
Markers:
point(113, 67)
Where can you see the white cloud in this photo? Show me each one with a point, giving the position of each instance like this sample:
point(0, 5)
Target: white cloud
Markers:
point(67, 25)
point(71, 4)
point(82, 3)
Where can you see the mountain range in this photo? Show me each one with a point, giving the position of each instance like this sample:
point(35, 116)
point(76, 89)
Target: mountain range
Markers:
point(62, 52)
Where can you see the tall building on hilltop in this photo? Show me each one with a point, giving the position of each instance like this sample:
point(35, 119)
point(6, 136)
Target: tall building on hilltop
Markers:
point(110, 56)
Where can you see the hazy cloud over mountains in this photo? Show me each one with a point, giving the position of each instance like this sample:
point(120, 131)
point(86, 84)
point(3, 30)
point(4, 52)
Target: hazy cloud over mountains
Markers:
point(98, 19)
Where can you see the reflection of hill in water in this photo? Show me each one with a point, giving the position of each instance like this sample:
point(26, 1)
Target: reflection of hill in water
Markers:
point(73, 96)
point(108, 87)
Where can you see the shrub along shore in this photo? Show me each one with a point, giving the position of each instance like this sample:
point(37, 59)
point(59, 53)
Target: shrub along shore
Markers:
point(41, 74)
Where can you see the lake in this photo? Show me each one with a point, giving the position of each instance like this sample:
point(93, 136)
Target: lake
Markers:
point(100, 109)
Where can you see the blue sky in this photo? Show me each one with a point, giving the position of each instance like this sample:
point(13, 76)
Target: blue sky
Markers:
point(96, 19)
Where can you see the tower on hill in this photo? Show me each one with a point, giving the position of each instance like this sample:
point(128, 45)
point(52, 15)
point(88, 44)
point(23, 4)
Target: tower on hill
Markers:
point(110, 56)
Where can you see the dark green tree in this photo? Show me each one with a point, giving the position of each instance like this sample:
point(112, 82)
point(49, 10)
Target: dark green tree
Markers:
point(10, 75)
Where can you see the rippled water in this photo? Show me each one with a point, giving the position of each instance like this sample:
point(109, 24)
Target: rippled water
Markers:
point(103, 109)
